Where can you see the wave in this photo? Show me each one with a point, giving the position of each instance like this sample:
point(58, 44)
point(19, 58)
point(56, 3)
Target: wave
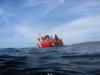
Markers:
point(78, 59)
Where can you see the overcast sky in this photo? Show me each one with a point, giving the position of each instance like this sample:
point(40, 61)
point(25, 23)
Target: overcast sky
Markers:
point(75, 21)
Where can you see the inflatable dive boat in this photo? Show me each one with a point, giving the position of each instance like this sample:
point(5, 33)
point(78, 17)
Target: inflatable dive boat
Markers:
point(47, 41)
point(47, 44)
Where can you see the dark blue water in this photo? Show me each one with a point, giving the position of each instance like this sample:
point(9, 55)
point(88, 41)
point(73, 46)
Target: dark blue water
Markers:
point(79, 59)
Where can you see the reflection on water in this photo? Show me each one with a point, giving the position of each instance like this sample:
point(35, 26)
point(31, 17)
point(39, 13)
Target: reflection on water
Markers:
point(80, 59)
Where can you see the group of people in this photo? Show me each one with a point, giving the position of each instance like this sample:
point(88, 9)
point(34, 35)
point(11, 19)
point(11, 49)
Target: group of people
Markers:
point(48, 38)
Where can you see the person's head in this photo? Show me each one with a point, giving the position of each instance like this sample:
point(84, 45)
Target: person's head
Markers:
point(47, 36)
point(42, 38)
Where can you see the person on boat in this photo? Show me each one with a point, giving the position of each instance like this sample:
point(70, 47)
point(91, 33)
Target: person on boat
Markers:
point(39, 42)
point(56, 38)
point(39, 39)
point(47, 38)
point(43, 39)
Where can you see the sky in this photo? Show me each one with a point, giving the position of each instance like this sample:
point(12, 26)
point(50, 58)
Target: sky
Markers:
point(23, 21)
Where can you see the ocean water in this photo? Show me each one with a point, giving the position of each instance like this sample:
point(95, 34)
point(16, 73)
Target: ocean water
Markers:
point(78, 59)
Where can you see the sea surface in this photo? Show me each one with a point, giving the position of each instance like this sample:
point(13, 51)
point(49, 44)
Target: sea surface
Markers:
point(77, 59)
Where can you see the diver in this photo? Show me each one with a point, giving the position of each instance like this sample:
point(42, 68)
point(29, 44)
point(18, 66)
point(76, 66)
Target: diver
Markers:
point(47, 38)
point(56, 38)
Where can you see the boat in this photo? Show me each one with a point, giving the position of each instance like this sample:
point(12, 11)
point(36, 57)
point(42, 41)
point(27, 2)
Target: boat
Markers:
point(49, 42)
